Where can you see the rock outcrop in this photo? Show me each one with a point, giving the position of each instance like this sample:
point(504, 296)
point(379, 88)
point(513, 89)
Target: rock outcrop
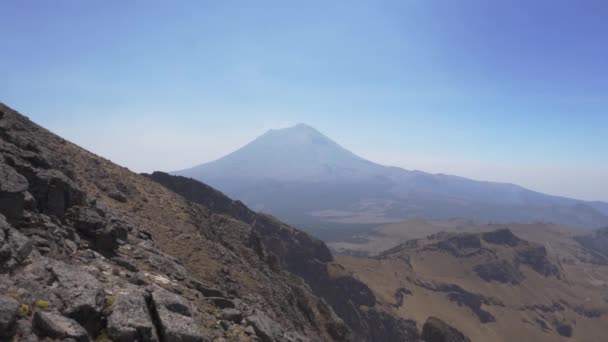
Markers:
point(284, 247)
point(436, 330)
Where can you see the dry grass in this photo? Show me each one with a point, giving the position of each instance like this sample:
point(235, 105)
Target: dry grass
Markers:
point(583, 286)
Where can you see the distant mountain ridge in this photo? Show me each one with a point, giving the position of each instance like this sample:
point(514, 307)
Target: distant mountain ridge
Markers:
point(302, 176)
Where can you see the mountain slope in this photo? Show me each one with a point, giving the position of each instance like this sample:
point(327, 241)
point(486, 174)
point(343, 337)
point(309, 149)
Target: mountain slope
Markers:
point(493, 285)
point(300, 175)
point(92, 251)
point(308, 258)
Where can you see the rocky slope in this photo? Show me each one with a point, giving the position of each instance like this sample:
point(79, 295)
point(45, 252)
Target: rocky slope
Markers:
point(288, 248)
point(90, 250)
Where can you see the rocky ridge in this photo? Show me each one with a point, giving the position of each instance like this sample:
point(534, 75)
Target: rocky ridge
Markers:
point(285, 247)
point(92, 251)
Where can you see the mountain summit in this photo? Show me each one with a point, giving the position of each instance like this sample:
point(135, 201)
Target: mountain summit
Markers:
point(298, 153)
point(302, 176)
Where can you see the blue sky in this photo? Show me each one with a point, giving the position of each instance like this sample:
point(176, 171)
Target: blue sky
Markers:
point(513, 91)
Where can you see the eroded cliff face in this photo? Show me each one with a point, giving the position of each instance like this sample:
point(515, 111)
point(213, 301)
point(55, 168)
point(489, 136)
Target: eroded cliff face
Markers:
point(90, 250)
point(284, 247)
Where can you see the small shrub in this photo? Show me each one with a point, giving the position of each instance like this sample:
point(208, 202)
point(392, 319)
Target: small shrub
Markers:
point(42, 304)
point(25, 310)
point(110, 300)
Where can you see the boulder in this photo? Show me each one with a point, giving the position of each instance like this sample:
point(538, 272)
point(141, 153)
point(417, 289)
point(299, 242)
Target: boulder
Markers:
point(174, 318)
point(53, 190)
point(206, 290)
point(104, 234)
point(81, 293)
point(12, 192)
point(265, 327)
point(436, 330)
point(9, 308)
point(232, 315)
point(21, 246)
point(130, 319)
point(220, 302)
point(54, 325)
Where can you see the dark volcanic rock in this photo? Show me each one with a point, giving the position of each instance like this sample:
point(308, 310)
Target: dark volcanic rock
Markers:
point(501, 271)
point(436, 330)
point(356, 290)
point(458, 245)
point(564, 329)
point(81, 293)
point(103, 233)
point(266, 328)
point(501, 237)
point(232, 315)
point(12, 192)
point(385, 327)
point(206, 290)
point(53, 190)
point(174, 317)
point(198, 192)
point(14, 246)
point(465, 298)
point(54, 325)
point(131, 320)
point(220, 302)
point(536, 257)
point(400, 296)
point(8, 317)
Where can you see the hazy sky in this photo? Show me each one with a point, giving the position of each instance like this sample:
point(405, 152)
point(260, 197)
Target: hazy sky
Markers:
point(511, 90)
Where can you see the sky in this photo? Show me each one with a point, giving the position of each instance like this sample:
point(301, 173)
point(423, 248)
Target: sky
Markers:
point(507, 90)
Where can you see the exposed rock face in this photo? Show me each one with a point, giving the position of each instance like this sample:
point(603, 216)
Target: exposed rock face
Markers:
point(465, 298)
point(267, 329)
point(9, 308)
point(502, 236)
point(89, 250)
point(82, 294)
point(131, 319)
point(459, 245)
point(198, 192)
point(14, 246)
point(285, 247)
point(536, 258)
point(232, 315)
point(175, 317)
point(436, 330)
point(54, 325)
point(106, 234)
point(12, 192)
point(501, 271)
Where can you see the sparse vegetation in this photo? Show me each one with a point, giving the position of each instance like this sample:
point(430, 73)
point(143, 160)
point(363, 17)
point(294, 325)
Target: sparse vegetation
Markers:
point(25, 310)
point(42, 304)
point(13, 293)
point(110, 300)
